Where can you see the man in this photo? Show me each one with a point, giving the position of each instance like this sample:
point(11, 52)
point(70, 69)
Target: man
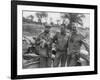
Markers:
point(74, 45)
point(61, 48)
point(44, 48)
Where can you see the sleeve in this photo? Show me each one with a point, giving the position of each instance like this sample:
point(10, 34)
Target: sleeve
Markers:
point(54, 38)
point(38, 40)
point(86, 45)
point(68, 41)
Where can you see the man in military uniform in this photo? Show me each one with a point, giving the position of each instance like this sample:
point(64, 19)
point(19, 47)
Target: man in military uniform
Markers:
point(44, 48)
point(61, 48)
point(74, 45)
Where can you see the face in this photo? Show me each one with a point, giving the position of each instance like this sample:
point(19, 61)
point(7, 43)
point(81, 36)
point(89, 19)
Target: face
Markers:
point(62, 30)
point(74, 28)
point(47, 30)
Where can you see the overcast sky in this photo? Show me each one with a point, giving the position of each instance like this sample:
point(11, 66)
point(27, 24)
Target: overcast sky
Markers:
point(57, 16)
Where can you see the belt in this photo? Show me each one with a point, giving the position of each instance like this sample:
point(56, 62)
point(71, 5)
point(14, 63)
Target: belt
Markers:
point(60, 50)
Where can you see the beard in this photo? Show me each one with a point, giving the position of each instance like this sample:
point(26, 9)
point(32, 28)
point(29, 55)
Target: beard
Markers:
point(63, 32)
point(46, 31)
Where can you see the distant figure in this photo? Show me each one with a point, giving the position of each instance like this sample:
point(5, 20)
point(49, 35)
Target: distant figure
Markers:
point(74, 45)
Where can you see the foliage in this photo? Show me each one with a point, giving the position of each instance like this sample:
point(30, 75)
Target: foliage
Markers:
point(41, 15)
point(27, 20)
point(31, 17)
point(74, 18)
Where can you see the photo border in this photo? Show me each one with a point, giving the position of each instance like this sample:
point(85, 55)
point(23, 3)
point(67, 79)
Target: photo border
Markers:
point(14, 4)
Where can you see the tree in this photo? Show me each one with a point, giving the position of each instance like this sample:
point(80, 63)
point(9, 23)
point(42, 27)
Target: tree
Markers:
point(51, 22)
point(30, 17)
point(24, 19)
point(41, 15)
point(58, 22)
point(74, 18)
point(64, 16)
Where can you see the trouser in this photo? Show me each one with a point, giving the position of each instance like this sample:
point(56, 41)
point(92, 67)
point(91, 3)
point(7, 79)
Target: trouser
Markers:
point(72, 59)
point(45, 62)
point(45, 58)
point(60, 57)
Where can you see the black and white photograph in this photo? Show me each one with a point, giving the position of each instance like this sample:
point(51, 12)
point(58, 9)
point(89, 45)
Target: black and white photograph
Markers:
point(53, 39)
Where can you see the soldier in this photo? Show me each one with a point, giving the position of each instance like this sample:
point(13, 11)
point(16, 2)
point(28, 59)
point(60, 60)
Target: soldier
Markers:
point(61, 48)
point(74, 44)
point(44, 48)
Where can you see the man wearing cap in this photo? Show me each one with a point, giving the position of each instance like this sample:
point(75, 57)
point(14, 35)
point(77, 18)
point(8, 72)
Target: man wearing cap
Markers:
point(44, 48)
point(74, 45)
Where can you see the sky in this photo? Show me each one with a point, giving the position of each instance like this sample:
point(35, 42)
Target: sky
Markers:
point(56, 16)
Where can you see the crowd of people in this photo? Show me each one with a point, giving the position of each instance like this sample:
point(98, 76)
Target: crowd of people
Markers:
point(60, 50)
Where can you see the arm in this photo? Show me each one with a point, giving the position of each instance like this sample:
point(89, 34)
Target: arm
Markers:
point(86, 45)
point(54, 38)
point(39, 37)
point(68, 43)
point(85, 57)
